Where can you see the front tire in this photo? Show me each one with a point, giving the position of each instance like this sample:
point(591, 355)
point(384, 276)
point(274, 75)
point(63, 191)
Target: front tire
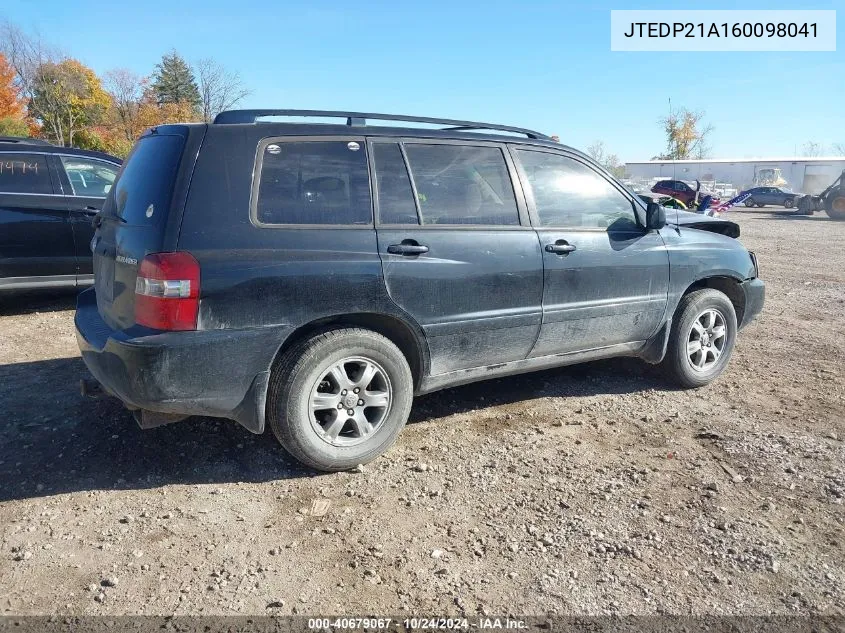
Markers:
point(702, 338)
point(789, 203)
point(340, 398)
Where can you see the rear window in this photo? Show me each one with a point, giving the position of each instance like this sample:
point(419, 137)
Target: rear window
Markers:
point(314, 182)
point(142, 192)
point(395, 195)
point(24, 173)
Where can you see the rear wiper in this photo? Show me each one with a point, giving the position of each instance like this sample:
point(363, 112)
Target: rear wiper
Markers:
point(97, 220)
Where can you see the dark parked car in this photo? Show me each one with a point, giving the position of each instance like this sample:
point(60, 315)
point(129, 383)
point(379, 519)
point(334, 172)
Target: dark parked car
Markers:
point(48, 197)
point(761, 196)
point(315, 277)
point(682, 191)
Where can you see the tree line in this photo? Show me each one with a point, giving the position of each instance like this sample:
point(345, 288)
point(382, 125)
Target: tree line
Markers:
point(47, 94)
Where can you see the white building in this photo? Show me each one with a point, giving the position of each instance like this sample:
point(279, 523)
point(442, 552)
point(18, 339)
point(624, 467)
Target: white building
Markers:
point(805, 175)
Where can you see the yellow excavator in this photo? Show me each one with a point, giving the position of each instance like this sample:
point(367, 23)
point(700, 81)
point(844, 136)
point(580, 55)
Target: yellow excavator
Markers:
point(832, 200)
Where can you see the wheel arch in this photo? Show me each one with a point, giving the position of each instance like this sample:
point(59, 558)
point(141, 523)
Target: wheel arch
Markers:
point(409, 339)
point(728, 286)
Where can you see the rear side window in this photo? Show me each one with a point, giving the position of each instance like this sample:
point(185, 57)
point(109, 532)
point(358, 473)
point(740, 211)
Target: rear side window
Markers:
point(314, 182)
point(24, 173)
point(141, 194)
point(395, 195)
point(458, 184)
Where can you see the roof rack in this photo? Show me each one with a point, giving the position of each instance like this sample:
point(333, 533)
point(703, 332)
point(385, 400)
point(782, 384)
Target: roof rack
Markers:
point(23, 140)
point(360, 118)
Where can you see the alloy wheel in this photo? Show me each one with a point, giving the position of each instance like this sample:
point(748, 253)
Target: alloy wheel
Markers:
point(350, 401)
point(706, 340)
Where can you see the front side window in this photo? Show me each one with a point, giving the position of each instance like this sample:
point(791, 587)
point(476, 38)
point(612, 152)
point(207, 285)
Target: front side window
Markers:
point(568, 193)
point(24, 173)
point(461, 184)
point(92, 178)
point(314, 182)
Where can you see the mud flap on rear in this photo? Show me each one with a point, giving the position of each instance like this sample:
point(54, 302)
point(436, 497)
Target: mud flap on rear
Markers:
point(250, 412)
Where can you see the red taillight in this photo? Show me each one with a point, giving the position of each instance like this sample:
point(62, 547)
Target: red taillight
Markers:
point(167, 291)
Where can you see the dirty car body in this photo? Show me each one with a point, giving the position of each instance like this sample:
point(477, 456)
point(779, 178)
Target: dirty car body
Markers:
point(451, 245)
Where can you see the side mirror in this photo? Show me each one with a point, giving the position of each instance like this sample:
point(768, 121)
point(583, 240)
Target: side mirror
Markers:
point(655, 216)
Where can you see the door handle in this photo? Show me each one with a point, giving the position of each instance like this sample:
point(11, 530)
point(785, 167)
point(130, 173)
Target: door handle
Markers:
point(407, 247)
point(561, 247)
point(84, 215)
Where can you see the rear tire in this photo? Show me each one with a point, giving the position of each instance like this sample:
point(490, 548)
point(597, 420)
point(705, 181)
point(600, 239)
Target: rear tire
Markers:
point(835, 204)
point(749, 202)
point(698, 354)
point(312, 375)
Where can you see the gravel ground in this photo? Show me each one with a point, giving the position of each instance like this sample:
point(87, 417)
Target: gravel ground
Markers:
point(588, 490)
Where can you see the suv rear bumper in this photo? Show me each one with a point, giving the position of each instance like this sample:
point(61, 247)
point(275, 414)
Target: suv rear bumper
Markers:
point(218, 373)
point(755, 297)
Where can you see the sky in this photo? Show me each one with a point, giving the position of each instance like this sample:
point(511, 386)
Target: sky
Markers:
point(542, 65)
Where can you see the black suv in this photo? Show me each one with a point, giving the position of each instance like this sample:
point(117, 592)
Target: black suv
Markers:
point(317, 276)
point(48, 197)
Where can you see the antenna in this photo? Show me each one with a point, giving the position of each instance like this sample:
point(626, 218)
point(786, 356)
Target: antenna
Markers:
point(674, 166)
point(670, 141)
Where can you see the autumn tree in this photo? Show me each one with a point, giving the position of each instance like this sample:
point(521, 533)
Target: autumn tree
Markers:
point(686, 135)
point(25, 54)
point(609, 161)
point(174, 81)
point(219, 88)
point(12, 110)
point(11, 104)
point(67, 97)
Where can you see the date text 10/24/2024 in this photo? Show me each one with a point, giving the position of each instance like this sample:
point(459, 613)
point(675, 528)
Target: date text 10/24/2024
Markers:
point(417, 623)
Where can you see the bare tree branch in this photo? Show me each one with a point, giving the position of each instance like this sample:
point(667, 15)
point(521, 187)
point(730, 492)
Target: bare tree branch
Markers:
point(220, 89)
point(610, 162)
point(126, 89)
point(811, 148)
point(27, 54)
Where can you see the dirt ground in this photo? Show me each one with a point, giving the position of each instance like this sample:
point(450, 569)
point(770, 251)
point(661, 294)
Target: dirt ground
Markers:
point(587, 490)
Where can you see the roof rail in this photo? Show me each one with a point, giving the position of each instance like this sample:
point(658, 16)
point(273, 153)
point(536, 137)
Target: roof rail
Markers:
point(360, 118)
point(23, 140)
